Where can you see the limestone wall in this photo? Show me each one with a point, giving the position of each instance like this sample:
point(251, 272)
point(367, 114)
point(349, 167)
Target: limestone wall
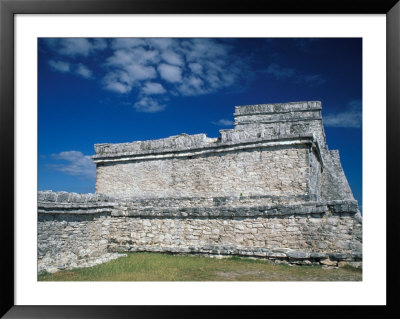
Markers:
point(78, 234)
point(275, 170)
point(262, 236)
point(261, 155)
point(281, 119)
point(245, 226)
point(73, 230)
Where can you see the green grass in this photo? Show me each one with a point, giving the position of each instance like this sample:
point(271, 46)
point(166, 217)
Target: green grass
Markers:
point(165, 267)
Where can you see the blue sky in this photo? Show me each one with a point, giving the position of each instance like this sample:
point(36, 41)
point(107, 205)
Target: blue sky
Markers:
point(126, 89)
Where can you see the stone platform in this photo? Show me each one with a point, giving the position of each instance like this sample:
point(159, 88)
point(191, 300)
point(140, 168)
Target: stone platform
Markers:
point(269, 188)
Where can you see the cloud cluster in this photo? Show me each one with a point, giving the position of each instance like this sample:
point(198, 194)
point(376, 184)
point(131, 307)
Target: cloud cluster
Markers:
point(77, 164)
point(153, 67)
point(149, 71)
point(351, 118)
point(149, 105)
point(66, 67)
point(73, 47)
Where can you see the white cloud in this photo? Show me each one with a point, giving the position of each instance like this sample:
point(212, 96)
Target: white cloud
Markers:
point(118, 82)
point(83, 71)
point(78, 164)
point(192, 86)
point(223, 122)
point(207, 49)
point(196, 68)
point(209, 66)
point(60, 66)
point(172, 57)
point(127, 43)
point(170, 73)
point(73, 47)
point(124, 57)
point(145, 66)
point(120, 58)
point(99, 44)
point(128, 67)
point(65, 67)
point(161, 43)
point(122, 81)
point(138, 72)
point(118, 87)
point(153, 88)
point(351, 118)
point(148, 105)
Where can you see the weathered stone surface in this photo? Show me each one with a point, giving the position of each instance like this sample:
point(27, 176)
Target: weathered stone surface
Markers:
point(221, 173)
point(340, 256)
point(315, 255)
point(298, 255)
point(355, 264)
point(328, 262)
point(269, 188)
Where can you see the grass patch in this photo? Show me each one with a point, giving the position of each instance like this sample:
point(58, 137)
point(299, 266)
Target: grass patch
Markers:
point(166, 267)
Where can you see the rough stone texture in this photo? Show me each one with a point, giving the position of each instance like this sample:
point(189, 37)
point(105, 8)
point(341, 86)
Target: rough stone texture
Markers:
point(304, 233)
point(73, 230)
point(281, 119)
point(210, 175)
point(269, 188)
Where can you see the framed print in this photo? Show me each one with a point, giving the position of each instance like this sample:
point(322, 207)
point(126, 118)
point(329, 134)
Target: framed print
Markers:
point(67, 76)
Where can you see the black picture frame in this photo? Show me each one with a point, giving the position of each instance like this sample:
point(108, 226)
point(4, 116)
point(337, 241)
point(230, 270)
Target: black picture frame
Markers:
point(8, 10)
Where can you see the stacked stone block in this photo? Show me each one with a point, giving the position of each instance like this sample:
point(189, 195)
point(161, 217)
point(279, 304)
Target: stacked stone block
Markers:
point(73, 230)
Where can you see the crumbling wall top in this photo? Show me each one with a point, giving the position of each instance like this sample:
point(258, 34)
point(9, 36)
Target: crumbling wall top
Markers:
point(253, 123)
point(277, 108)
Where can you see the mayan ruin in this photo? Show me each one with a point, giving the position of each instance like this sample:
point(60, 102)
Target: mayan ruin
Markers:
point(268, 188)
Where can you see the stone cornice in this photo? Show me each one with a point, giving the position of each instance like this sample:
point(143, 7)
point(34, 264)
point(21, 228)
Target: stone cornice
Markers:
point(277, 108)
point(128, 208)
point(217, 147)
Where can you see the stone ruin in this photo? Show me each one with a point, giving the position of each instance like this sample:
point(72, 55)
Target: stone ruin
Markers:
point(269, 188)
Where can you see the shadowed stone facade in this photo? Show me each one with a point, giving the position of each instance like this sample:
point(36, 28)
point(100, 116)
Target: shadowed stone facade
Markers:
point(268, 188)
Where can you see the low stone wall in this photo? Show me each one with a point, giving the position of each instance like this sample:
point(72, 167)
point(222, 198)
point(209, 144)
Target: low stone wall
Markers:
point(304, 233)
point(73, 230)
point(95, 229)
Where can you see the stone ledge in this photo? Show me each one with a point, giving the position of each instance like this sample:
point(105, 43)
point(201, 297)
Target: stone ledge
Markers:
point(287, 254)
point(217, 200)
point(75, 211)
point(306, 208)
point(277, 108)
point(69, 206)
point(72, 203)
point(70, 197)
point(243, 211)
point(242, 123)
point(134, 150)
point(343, 206)
point(177, 207)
